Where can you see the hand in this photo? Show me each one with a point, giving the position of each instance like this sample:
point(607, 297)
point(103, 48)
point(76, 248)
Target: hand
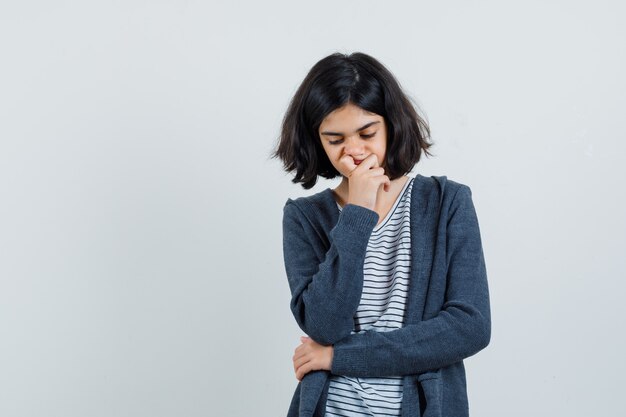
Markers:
point(311, 356)
point(364, 180)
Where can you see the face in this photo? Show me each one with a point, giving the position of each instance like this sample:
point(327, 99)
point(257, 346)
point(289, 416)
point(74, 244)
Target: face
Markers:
point(350, 130)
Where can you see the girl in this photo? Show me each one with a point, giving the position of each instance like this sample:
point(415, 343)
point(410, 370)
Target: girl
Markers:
point(386, 271)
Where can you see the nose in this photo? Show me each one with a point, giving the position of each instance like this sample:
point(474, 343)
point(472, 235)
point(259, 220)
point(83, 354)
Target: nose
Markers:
point(353, 146)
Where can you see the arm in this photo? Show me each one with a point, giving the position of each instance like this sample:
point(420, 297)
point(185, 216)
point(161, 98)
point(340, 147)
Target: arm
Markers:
point(462, 327)
point(326, 293)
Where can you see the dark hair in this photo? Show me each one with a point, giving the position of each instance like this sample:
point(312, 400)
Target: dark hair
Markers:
point(331, 83)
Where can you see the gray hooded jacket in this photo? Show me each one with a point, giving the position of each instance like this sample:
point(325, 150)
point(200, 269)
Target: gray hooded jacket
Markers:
point(447, 315)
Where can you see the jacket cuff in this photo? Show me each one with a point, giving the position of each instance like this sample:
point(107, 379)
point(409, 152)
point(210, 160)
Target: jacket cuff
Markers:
point(358, 218)
point(348, 356)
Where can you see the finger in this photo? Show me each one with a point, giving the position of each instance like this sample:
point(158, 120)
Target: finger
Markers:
point(302, 350)
point(371, 161)
point(301, 361)
point(297, 350)
point(302, 371)
point(298, 372)
point(307, 367)
point(383, 181)
point(348, 163)
point(297, 364)
point(299, 353)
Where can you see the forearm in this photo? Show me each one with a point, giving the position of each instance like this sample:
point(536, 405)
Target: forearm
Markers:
point(455, 334)
point(326, 294)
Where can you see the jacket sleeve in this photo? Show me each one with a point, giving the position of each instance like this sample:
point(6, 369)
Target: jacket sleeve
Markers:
point(325, 293)
point(459, 330)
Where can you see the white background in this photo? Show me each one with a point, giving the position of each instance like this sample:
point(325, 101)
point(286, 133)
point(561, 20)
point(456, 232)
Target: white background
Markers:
point(141, 269)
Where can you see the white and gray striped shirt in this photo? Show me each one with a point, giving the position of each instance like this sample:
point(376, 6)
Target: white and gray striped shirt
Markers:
point(385, 283)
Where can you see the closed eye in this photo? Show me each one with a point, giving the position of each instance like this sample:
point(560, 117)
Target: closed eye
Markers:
point(337, 142)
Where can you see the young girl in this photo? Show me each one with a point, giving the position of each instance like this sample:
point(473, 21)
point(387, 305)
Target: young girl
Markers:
point(386, 271)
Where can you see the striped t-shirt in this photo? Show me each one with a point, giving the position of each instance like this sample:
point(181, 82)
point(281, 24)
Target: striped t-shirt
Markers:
point(385, 283)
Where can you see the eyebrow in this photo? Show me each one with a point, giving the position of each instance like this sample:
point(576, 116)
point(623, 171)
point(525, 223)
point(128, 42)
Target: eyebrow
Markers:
point(358, 130)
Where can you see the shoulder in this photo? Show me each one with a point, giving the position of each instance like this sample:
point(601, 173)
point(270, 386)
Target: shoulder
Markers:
point(440, 186)
point(318, 201)
point(310, 209)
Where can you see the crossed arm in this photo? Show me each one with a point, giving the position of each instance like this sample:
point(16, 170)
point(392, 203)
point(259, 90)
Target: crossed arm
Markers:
point(325, 296)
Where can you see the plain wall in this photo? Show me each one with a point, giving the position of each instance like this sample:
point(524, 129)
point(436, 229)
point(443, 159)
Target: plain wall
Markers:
point(141, 269)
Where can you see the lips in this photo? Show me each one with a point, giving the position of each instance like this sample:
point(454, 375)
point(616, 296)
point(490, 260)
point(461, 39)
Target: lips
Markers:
point(357, 162)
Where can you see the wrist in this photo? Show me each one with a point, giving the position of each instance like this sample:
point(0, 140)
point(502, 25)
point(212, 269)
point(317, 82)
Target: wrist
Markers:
point(365, 204)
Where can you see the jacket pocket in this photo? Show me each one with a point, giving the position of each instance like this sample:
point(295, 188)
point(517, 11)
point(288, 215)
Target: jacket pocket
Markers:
point(430, 394)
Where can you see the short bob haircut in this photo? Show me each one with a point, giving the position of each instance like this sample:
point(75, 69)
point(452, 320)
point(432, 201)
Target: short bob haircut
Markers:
point(333, 82)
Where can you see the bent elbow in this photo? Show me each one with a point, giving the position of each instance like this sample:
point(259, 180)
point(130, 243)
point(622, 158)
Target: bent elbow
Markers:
point(474, 327)
point(482, 333)
point(475, 332)
point(323, 331)
point(483, 340)
point(322, 338)
point(325, 335)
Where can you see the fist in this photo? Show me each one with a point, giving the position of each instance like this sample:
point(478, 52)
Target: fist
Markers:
point(364, 180)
